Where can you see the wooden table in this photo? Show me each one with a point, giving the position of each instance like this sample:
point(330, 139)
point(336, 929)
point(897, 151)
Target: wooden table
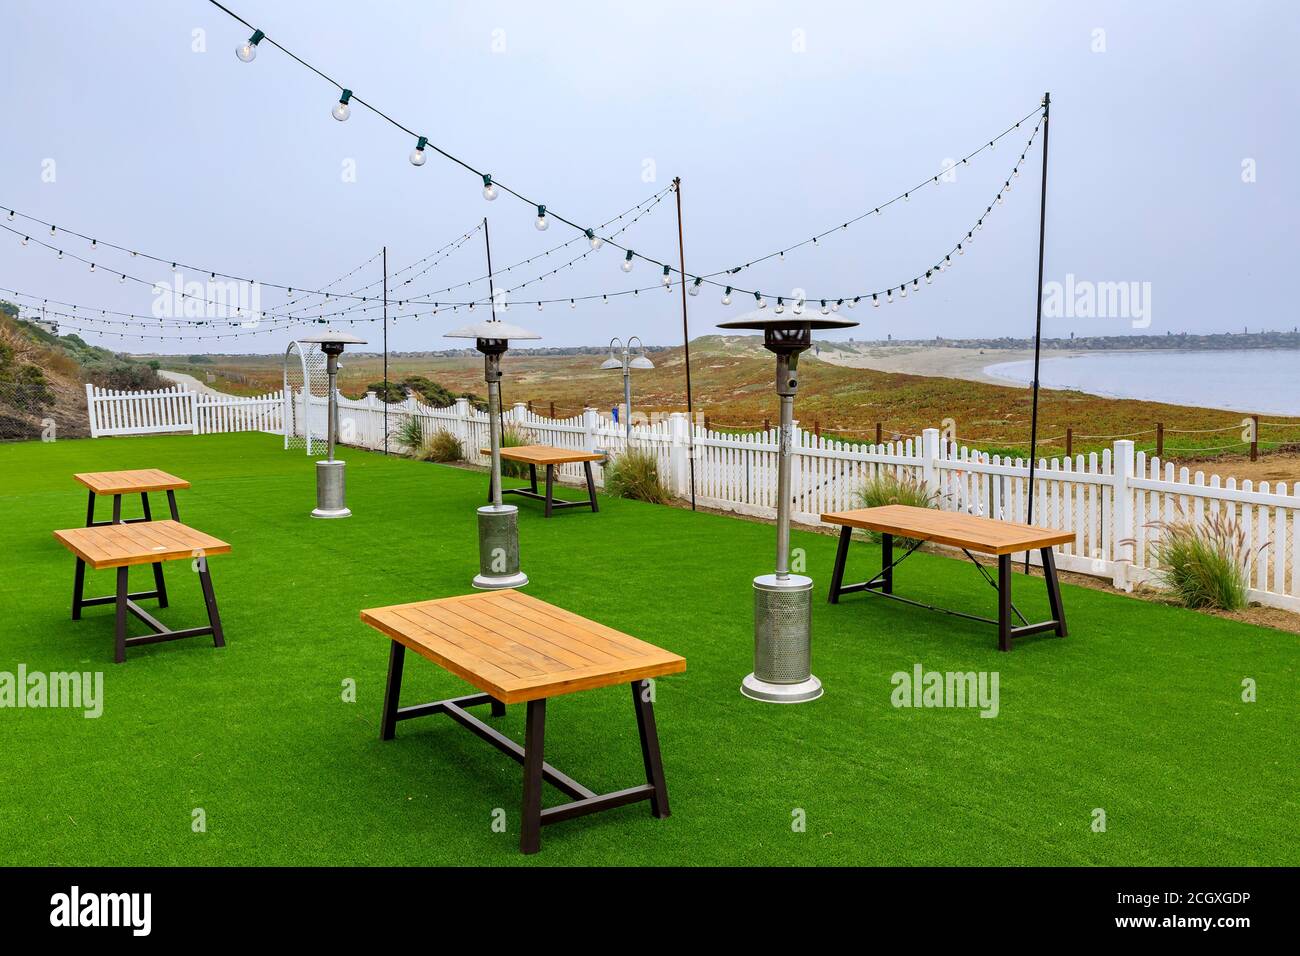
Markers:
point(545, 455)
point(122, 545)
point(517, 649)
point(138, 482)
point(967, 532)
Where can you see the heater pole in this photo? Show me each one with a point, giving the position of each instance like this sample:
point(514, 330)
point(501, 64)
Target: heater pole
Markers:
point(686, 342)
point(492, 373)
point(385, 350)
point(1038, 321)
point(783, 475)
point(332, 370)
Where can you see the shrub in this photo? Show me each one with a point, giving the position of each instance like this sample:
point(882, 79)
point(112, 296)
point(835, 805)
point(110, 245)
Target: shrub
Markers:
point(512, 436)
point(887, 488)
point(410, 435)
point(442, 445)
point(635, 474)
point(1206, 563)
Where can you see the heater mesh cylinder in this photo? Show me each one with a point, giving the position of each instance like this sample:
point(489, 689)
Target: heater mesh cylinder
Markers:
point(783, 629)
point(331, 490)
point(498, 541)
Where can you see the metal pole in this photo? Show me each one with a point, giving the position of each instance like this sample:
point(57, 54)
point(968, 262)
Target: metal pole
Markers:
point(627, 398)
point(783, 474)
point(385, 350)
point(686, 342)
point(1038, 321)
point(492, 372)
point(332, 370)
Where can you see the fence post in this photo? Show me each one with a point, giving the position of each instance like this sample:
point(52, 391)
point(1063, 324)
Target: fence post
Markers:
point(678, 452)
point(1160, 440)
point(879, 435)
point(1122, 526)
point(590, 422)
point(1069, 443)
point(552, 411)
point(91, 411)
point(929, 461)
point(194, 411)
point(1254, 438)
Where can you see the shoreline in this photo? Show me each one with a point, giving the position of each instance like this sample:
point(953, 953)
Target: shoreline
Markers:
point(939, 361)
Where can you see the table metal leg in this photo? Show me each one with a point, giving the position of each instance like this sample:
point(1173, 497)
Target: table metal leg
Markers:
point(841, 559)
point(550, 488)
point(78, 588)
point(530, 832)
point(158, 583)
point(210, 599)
point(887, 563)
point(90, 510)
point(1054, 591)
point(532, 477)
point(1004, 602)
point(392, 691)
point(591, 486)
point(654, 767)
point(117, 509)
point(498, 708)
point(171, 502)
point(119, 648)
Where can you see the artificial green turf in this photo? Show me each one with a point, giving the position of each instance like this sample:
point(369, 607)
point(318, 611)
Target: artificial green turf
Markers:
point(1138, 712)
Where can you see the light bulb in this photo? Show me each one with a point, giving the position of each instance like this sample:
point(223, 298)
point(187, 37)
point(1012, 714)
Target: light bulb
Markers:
point(23, 241)
point(572, 304)
point(825, 309)
point(539, 307)
point(853, 303)
point(780, 306)
point(341, 110)
point(875, 300)
point(247, 51)
point(960, 250)
point(928, 278)
point(835, 306)
point(726, 296)
point(762, 302)
point(667, 279)
point(489, 188)
point(54, 230)
point(889, 295)
point(542, 224)
point(695, 287)
point(907, 197)
point(595, 240)
point(121, 279)
point(92, 267)
point(417, 154)
point(11, 215)
point(627, 261)
point(60, 254)
point(902, 291)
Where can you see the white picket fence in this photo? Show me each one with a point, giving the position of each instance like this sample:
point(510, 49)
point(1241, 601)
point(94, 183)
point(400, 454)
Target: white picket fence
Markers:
point(1108, 500)
point(178, 409)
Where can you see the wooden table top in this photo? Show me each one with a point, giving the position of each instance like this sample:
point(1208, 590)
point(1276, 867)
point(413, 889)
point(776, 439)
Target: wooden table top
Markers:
point(130, 482)
point(143, 542)
point(545, 454)
point(954, 528)
point(518, 648)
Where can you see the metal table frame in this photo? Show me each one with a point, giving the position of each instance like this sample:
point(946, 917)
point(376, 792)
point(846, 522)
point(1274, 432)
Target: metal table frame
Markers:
point(160, 586)
point(531, 755)
point(883, 585)
point(552, 503)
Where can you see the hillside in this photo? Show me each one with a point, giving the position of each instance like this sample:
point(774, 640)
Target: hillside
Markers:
point(43, 377)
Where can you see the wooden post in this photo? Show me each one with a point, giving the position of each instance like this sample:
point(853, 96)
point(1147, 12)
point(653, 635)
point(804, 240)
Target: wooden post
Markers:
point(1254, 438)
point(1069, 443)
point(879, 432)
point(530, 406)
point(817, 428)
point(706, 422)
point(1160, 440)
point(767, 426)
point(552, 409)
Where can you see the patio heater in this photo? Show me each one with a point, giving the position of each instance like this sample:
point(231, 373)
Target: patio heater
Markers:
point(498, 524)
point(783, 601)
point(331, 484)
point(627, 362)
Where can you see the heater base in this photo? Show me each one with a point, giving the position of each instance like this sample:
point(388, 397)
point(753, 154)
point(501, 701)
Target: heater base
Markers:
point(331, 490)
point(800, 693)
point(498, 549)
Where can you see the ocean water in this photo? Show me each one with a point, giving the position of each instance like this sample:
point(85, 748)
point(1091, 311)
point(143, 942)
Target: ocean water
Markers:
point(1249, 380)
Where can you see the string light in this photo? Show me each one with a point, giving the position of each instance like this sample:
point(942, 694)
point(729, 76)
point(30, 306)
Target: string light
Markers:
point(726, 296)
point(490, 192)
point(595, 240)
point(417, 154)
point(695, 286)
point(780, 305)
point(342, 110)
point(667, 279)
point(542, 224)
point(247, 51)
point(627, 261)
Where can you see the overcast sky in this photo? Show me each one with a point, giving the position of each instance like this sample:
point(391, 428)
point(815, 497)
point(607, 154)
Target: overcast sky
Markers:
point(783, 119)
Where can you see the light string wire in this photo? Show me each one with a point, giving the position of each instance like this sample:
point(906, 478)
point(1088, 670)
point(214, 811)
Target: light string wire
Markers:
point(425, 143)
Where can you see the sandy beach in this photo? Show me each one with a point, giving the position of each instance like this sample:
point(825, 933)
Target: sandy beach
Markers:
point(940, 361)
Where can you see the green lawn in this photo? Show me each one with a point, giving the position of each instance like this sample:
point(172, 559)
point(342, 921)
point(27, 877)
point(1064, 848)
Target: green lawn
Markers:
point(1138, 712)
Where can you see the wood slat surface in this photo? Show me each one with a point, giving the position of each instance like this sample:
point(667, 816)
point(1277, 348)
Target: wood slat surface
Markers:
point(545, 454)
point(144, 542)
point(518, 648)
point(130, 482)
point(957, 529)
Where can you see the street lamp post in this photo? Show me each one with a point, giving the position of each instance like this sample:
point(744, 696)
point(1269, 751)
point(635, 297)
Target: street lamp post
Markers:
point(783, 601)
point(620, 356)
point(331, 483)
point(498, 524)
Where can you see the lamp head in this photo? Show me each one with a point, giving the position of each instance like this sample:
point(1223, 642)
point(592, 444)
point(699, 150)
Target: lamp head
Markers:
point(784, 334)
point(332, 342)
point(491, 337)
